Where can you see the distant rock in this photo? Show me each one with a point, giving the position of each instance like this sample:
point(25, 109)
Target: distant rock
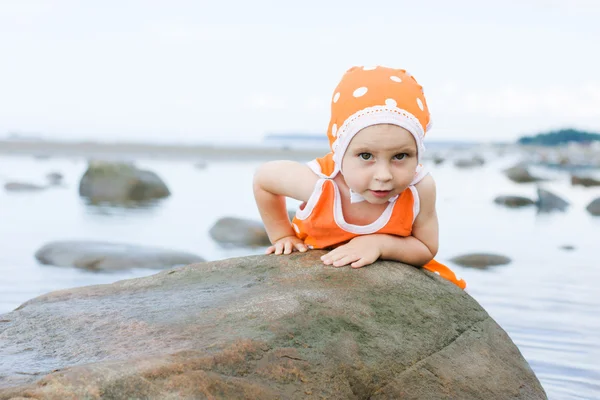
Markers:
point(437, 160)
point(514, 201)
point(120, 184)
point(241, 232)
point(584, 181)
point(520, 174)
point(548, 201)
point(567, 247)
point(22, 187)
point(474, 161)
point(480, 260)
point(54, 178)
point(200, 164)
point(103, 256)
point(262, 327)
point(594, 207)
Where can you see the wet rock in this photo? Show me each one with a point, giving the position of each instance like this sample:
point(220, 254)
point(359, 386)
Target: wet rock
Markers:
point(242, 232)
point(514, 201)
point(520, 174)
point(22, 187)
point(594, 207)
point(104, 256)
point(474, 161)
point(548, 201)
point(262, 327)
point(480, 260)
point(584, 181)
point(120, 184)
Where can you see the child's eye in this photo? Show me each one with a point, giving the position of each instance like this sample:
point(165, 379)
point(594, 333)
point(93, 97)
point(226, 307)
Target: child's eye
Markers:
point(400, 156)
point(365, 156)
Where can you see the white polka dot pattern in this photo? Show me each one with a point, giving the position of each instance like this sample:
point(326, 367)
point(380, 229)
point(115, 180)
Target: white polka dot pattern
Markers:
point(336, 97)
point(395, 78)
point(361, 91)
point(420, 103)
point(391, 103)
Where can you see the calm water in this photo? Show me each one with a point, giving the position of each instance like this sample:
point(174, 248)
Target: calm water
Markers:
point(546, 299)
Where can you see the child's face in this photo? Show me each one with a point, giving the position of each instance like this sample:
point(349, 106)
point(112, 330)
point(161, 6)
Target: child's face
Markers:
point(380, 162)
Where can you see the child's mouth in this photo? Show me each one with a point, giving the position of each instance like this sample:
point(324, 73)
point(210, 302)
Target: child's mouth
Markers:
point(380, 193)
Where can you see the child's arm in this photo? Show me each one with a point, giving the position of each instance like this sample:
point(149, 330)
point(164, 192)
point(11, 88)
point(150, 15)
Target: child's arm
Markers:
point(273, 182)
point(418, 249)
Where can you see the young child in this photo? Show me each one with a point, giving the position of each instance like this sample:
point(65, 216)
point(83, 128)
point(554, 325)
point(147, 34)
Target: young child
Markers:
point(370, 197)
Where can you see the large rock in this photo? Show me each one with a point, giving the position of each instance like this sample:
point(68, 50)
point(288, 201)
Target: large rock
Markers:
point(480, 260)
point(120, 184)
point(232, 231)
point(262, 327)
point(103, 256)
point(594, 207)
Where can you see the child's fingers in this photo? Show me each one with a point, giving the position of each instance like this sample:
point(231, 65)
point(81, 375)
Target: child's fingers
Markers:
point(270, 250)
point(278, 248)
point(360, 263)
point(287, 249)
point(301, 247)
point(345, 260)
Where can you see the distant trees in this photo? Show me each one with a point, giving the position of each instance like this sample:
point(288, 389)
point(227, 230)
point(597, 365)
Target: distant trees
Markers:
point(559, 137)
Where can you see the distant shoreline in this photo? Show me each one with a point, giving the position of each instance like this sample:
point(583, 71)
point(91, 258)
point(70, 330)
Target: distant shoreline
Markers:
point(128, 151)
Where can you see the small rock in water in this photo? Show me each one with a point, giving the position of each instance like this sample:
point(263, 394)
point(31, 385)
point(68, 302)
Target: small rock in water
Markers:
point(239, 232)
point(514, 201)
point(548, 201)
point(104, 256)
point(567, 247)
point(584, 181)
point(480, 260)
point(120, 184)
point(22, 187)
point(594, 207)
point(474, 161)
point(54, 178)
point(520, 174)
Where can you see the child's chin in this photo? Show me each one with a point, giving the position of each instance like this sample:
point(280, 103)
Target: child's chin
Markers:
point(377, 200)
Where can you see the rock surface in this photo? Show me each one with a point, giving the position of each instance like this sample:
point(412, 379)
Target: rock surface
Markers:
point(104, 256)
point(480, 260)
point(120, 184)
point(262, 327)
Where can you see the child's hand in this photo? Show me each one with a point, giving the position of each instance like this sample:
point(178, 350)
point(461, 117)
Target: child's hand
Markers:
point(287, 245)
point(358, 252)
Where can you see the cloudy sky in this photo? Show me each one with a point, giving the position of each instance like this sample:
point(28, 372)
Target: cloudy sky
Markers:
point(202, 71)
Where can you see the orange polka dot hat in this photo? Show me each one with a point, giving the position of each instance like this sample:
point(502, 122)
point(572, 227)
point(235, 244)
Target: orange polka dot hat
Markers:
point(376, 95)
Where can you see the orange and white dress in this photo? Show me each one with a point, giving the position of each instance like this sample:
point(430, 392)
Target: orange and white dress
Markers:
point(320, 221)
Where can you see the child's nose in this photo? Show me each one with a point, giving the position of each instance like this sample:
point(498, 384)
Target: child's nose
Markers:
point(383, 173)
